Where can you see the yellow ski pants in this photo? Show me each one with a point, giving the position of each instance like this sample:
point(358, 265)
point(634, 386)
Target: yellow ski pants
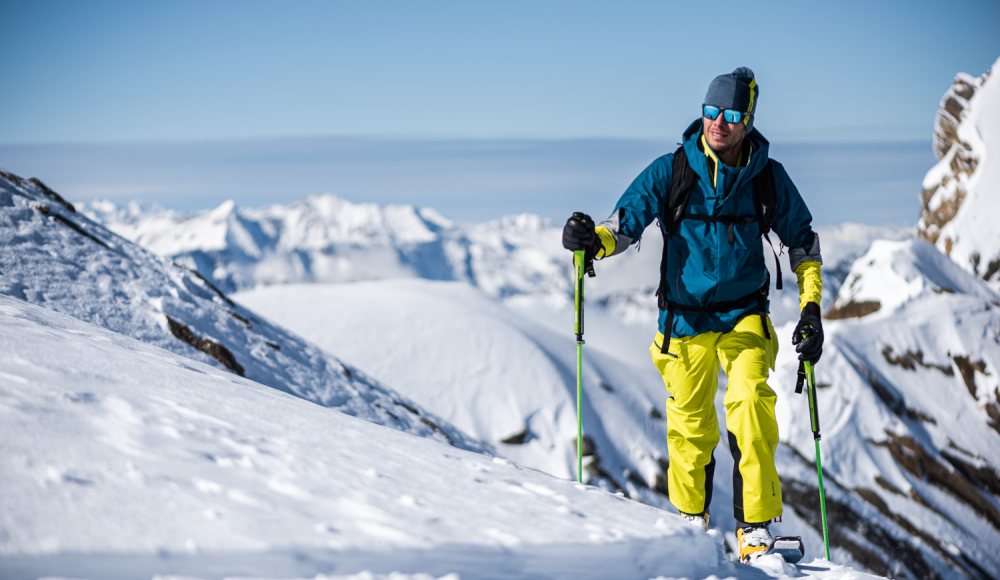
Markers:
point(692, 379)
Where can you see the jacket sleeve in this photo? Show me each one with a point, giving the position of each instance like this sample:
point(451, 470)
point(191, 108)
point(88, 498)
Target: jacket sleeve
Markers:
point(637, 207)
point(793, 224)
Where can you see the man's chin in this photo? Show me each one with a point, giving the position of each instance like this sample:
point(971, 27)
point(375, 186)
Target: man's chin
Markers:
point(719, 146)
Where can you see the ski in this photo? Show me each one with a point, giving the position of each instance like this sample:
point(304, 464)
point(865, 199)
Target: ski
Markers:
point(788, 547)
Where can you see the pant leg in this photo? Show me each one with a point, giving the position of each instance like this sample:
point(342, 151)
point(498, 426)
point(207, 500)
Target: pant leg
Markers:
point(746, 356)
point(692, 378)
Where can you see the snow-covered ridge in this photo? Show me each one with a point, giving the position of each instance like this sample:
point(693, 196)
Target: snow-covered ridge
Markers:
point(53, 256)
point(960, 194)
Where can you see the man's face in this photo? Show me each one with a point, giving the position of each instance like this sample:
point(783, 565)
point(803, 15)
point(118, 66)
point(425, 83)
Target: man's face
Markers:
point(723, 137)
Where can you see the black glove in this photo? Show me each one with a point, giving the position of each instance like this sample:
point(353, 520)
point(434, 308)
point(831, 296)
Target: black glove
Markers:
point(579, 233)
point(809, 347)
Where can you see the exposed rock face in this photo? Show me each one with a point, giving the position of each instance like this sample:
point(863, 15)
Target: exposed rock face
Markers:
point(941, 197)
point(951, 112)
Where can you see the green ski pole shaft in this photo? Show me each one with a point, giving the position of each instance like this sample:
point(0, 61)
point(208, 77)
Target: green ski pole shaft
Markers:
point(579, 266)
point(814, 420)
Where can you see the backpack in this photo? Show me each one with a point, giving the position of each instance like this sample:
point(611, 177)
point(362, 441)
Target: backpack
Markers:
point(764, 198)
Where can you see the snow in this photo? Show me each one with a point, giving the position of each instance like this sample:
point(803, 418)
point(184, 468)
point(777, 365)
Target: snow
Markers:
point(894, 273)
point(126, 452)
point(124, 460)
point(487, 370)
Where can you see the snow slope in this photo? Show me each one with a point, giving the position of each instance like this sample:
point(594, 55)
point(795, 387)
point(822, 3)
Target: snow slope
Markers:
point(52, 256)
point(124, 460)
point(492, 373)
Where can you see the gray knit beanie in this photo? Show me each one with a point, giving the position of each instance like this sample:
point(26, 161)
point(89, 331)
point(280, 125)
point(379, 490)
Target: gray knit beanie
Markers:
point(737, 90)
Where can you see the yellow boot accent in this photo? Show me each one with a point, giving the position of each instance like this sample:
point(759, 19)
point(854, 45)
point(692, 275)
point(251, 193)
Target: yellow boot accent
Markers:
point(754, 542)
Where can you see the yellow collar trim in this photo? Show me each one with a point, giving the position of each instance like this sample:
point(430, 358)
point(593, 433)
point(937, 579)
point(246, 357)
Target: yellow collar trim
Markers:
point(714, 166)
point(711, 155)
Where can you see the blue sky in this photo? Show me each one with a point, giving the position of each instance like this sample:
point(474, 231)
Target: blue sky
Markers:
point(151, 71)
point(479, 109)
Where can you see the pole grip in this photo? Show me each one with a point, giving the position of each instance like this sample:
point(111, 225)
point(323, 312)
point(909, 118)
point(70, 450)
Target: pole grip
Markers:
point(813, 405)
point(579, 266)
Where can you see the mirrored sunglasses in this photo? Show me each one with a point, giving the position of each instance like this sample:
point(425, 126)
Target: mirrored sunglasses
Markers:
point(711, 112)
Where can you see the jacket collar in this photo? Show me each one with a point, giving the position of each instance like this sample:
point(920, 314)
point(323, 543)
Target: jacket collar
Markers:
point(705, 163)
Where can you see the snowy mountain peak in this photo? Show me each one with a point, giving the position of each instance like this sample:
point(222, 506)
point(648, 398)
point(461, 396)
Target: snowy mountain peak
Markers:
point(892, 273)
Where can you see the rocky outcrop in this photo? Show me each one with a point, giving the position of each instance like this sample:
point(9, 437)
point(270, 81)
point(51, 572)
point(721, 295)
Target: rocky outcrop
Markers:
point(944, 193)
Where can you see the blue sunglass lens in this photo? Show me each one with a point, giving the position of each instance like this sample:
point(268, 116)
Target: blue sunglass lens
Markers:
point(710, 112)
point(732, 116)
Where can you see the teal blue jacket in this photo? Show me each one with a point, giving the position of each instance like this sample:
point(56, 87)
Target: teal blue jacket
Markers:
point(703, 267)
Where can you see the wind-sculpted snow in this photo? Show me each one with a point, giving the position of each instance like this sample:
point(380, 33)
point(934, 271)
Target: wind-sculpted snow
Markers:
point(54, 257)
point(910, 417)
point(123, 460)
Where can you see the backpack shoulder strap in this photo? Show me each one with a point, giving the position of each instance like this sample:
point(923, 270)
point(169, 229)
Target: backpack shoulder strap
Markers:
point(764, 199)
point(674, 202)
point(679, 191)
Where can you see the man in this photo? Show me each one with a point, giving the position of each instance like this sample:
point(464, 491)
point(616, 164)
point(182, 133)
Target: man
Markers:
point(713, 298)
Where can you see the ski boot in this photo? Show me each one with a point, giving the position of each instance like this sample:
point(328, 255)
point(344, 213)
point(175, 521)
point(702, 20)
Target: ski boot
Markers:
point(700, 520)
point(754, 540)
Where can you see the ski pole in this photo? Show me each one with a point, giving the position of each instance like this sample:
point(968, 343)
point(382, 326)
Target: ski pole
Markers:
point(806, 369)
point(581, 265)
point(578, 263)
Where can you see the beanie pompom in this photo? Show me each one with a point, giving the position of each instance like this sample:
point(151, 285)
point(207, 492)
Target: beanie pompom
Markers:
point(743, 74)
